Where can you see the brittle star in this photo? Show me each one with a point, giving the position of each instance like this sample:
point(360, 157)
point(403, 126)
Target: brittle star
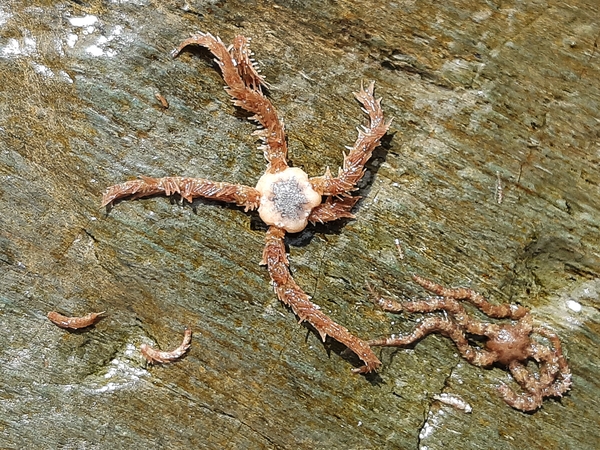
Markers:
point(285, 197)
point(509, 345)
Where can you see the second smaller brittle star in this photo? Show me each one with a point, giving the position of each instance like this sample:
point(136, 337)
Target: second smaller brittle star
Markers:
point(286, 198)
point(508, 345)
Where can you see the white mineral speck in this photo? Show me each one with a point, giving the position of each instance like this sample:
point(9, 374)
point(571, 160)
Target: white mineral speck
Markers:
point(426, 430)
point(573, 305)
point(94, 50)
point(72, 39)
point(42, 70)
point(65, 76)
point(14, 47)
point(84, 21)
point(4, 16)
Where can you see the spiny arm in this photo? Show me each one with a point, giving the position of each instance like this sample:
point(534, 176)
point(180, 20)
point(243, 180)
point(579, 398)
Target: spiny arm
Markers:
point(188, 188)
point(244, 84)
point(246, 65)
point(333, 209)
point(503, 311)
point(354, 162)
point(292, 295)
point(474, 355)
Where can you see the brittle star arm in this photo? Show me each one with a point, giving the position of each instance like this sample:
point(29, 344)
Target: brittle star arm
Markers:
point(293, 296)
point(563, 384)
point(527, 401)
point(432, 304)
point(503, 311)
point(243, 84)
point(547, 360)
point(188, 188)
point(546, 384)
point(476, 356)
point(354, 162)
point(333, 209)
point(246, 66)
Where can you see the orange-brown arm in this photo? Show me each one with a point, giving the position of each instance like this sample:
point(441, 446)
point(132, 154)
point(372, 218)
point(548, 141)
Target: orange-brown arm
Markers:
point(245, 89)
point(246, 66)
point(292, 295)
point(154, 356)
point(333, 209)
point(188, 188)
point(354, 162)
point(502, 311)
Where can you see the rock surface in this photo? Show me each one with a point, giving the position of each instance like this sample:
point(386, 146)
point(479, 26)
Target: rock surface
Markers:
point(483, 94)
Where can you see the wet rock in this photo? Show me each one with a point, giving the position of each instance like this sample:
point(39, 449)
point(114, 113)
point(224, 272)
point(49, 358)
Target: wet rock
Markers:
point(482, 98)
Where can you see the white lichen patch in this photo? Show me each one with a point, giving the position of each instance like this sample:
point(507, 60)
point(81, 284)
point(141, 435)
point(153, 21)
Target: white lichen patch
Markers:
point(21, 47)
point(94, 45)
point(122, 372)
point(287, 199)
point(4, 16)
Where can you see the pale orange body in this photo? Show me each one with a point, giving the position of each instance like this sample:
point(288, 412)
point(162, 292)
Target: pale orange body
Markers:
point(73, 323)
point(156, 356)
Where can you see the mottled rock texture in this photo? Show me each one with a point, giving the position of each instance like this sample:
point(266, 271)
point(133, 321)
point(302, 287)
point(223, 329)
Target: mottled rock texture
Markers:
point(479, 92)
